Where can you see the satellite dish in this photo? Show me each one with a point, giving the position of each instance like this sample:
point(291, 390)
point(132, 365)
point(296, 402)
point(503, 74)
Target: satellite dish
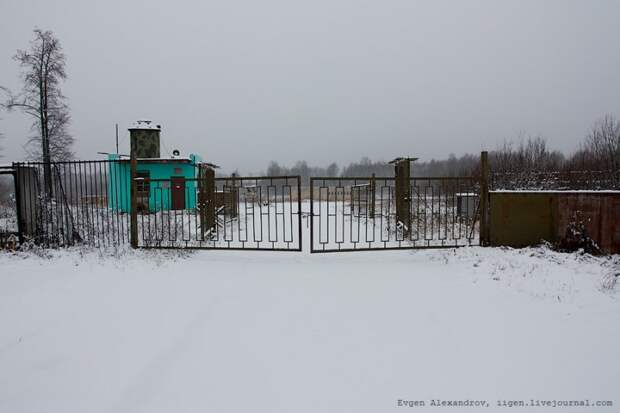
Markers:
point(176, 152)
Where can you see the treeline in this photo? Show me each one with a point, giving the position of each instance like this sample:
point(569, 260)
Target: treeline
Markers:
point(452, 166)
point(599, 151)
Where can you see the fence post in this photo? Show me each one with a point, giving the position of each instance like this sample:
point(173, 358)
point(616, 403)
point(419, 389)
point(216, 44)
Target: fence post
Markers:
point(484, 198)
point(134, 203)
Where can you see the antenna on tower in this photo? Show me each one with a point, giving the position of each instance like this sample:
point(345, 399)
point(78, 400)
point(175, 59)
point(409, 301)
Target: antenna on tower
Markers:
point(117, 138)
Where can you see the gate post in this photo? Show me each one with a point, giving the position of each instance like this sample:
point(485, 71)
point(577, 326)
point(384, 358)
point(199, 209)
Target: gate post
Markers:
point(402, 189)
point(206, 198)
point(133, 224)
point(484, 198)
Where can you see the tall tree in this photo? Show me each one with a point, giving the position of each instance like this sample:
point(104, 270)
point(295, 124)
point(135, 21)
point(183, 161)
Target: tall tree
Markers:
point(43, 71)
point(332, 169)
point(274, 169)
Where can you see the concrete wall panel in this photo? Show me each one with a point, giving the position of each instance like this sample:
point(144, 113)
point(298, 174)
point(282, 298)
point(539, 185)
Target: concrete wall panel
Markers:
point(521, 218)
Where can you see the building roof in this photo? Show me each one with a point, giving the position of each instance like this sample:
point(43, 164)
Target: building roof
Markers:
point(158, 160)
point(397, 160)
point(145, 124)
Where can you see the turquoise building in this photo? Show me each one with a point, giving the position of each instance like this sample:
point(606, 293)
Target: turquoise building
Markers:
point(163, 183)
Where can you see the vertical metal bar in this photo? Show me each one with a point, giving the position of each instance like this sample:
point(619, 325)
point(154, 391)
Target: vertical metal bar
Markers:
point(188, 189)
point(210, 185)
point(237, 201)
point(119, 224)
point(153, 187)
point(299, 211)
point(95, 219)
point(104, 203)
point(82, 215)
point(311, 216)
point(359, 212)
point(49, 208)
point(133, 207)
point(351, 211)
point(327, 214)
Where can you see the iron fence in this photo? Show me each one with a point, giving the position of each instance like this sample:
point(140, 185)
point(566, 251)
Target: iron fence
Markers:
point(369, 213)
point(90, 202)
point(67, 203)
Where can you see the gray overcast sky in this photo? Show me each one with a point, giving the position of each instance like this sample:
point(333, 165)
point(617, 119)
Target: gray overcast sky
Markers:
point(246, 82)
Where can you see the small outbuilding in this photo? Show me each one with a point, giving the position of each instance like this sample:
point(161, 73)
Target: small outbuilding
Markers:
point(163, 183)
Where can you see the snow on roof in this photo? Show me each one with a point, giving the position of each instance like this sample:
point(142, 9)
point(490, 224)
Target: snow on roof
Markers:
point(145, 124)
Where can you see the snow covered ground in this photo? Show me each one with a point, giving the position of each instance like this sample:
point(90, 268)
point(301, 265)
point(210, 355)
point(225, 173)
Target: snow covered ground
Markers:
point(224, 331)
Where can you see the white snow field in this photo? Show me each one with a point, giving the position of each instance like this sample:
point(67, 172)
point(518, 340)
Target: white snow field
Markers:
point(227, 331)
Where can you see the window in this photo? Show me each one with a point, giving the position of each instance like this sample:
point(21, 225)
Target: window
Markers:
point(143, 186)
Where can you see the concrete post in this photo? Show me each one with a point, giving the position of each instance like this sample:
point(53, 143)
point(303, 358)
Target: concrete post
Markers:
point(372, 195)
point(28, 201)
point(484, 198)
point(206, 198)
point(402, 191)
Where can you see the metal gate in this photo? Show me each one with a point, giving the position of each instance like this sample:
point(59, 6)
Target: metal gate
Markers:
point(232, 213)
point(99, 203)
point(371, 213)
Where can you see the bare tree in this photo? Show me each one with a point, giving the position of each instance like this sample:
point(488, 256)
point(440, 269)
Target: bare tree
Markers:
point(603, 143)
point(60, 140)
point(531, 155)
point(43, 70)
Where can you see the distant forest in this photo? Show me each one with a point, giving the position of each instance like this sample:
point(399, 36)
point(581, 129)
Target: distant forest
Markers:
point(599, 151)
